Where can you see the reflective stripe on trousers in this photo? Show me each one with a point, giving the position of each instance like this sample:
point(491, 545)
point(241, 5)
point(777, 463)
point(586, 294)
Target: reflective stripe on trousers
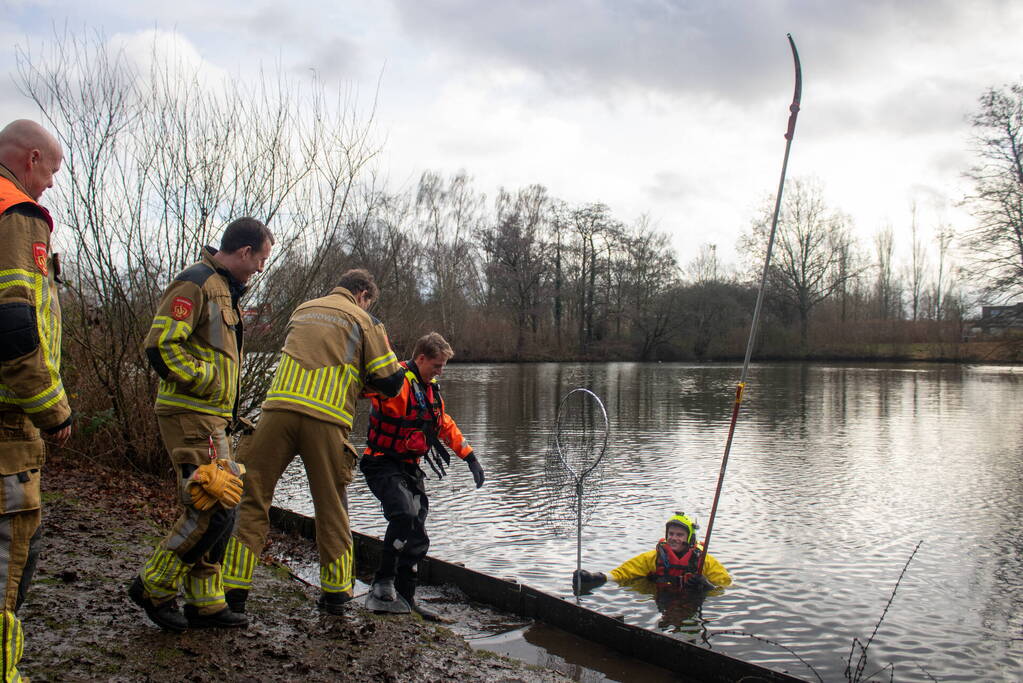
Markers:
point(336, 577)
point(239, 565)
point(12, 644)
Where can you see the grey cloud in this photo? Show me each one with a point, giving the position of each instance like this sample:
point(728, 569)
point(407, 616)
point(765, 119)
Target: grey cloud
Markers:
point(668, 186)
point(728, 47)
point(335, 58)
point(317, 36)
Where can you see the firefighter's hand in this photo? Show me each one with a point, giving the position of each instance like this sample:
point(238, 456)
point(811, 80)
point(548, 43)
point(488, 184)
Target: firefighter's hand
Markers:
point(217, 482)
point(477, 470)
point(60, 437)
point(583, 581)
point(699, 582)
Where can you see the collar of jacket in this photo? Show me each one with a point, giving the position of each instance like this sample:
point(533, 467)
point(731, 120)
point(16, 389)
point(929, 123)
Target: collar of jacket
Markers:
point(9, 174)
point(343, 291)
point(209, 257)
point(411, 366)
point(346, 293)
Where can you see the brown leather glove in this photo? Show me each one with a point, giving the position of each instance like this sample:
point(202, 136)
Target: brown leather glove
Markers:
point(217, 482)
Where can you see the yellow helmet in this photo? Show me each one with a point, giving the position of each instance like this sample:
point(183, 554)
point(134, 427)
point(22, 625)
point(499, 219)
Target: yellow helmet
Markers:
point(683, 520)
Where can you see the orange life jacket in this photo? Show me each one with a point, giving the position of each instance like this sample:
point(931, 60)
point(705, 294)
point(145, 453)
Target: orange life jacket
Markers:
point(406, 436)
point(673, 569)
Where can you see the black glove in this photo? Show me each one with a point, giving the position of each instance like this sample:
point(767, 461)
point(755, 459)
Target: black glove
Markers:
point(699, 582)
point(476, 469)
point(583, 580)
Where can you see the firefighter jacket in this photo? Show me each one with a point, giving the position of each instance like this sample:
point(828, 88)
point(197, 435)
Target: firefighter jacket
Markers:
point(406, 425)
point(644, 565)
point(333, 347)
point(195, 342)
point(29, 311)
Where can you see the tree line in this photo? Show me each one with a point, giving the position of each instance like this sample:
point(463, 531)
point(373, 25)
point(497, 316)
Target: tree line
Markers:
point(158, 160)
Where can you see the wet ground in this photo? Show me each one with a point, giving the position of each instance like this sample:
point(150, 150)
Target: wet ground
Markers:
point(80, 626)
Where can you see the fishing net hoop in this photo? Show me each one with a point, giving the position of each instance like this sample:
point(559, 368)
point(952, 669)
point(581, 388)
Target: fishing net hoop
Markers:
point(575, 462)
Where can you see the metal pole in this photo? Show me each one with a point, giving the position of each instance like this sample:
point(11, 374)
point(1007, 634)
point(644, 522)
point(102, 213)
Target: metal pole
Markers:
point(579, 531)
point(740, 388)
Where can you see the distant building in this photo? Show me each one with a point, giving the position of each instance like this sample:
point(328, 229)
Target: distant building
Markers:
point(256, 319)
point(995, 321)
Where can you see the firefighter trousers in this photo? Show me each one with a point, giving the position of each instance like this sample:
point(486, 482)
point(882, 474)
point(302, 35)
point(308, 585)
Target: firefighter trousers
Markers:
point(329, 462)
point(189, 556)
point(21, 459)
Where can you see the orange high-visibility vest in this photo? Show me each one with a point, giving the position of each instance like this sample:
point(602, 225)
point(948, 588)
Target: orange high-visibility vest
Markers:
point(10, 196)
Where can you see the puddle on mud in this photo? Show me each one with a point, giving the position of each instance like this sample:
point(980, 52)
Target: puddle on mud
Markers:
point(532, 642)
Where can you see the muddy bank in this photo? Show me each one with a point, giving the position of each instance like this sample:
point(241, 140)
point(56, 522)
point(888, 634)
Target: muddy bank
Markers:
point(80, 626)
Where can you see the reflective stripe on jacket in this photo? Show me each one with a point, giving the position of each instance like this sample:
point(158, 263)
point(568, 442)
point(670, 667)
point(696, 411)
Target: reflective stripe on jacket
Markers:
point(195, 342)
point(397, 424)
point(332, 348)
point(30, 321)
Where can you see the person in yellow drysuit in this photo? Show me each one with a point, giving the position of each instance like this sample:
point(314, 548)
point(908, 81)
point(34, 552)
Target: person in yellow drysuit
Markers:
point(672, 563)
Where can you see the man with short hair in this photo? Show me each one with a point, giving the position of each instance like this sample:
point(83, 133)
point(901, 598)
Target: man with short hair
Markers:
point(195, 346)
point(333, 348)
point(402, 431)
point(32, 396)
point(672, 563)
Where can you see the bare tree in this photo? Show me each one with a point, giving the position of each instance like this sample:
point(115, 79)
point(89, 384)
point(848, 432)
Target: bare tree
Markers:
point(995, 245)
point(807, 252)
point(943, 274)
point(157, 162)
point(917, 266)
point(448, 216)
point(515, 263)
point(887, 292)
point(649, 274)
point(593, 226)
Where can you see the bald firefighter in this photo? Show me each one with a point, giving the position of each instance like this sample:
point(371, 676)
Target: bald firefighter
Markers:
point(404, 430)
point(333, 348)
point(195, 346)
point(32, 397)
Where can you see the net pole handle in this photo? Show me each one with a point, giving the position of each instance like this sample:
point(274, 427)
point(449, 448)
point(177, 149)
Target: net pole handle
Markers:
point(579, 529)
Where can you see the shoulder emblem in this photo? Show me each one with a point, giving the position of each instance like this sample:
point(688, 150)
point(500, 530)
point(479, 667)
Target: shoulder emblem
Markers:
point(181, 307)
point(39, 256)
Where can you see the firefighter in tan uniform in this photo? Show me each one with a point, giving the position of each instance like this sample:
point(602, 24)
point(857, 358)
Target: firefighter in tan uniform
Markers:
point(195, 346)
point(333, 348)
point(32, 397)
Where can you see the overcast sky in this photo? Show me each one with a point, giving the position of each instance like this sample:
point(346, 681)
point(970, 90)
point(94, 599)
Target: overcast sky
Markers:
point(671, 108)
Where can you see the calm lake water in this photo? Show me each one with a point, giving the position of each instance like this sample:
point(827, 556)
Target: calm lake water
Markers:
point(836, 473)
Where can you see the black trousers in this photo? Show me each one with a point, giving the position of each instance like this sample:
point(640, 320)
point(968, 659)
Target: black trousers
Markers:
point(399, 487)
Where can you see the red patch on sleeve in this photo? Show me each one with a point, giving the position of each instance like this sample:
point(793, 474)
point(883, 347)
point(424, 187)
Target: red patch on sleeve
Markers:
point(181, 308)
point(39, 256)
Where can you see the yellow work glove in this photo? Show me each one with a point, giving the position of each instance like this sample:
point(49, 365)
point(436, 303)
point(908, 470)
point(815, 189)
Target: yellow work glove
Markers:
point(217, 482)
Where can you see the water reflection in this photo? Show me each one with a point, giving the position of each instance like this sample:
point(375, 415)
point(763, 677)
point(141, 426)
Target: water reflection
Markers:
point(837, 471)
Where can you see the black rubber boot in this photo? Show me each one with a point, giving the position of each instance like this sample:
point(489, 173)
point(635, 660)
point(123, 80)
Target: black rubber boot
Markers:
point(406, 587)
point(225, 618)
point(236, 598)
point(333, 603)
point(166, 615)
